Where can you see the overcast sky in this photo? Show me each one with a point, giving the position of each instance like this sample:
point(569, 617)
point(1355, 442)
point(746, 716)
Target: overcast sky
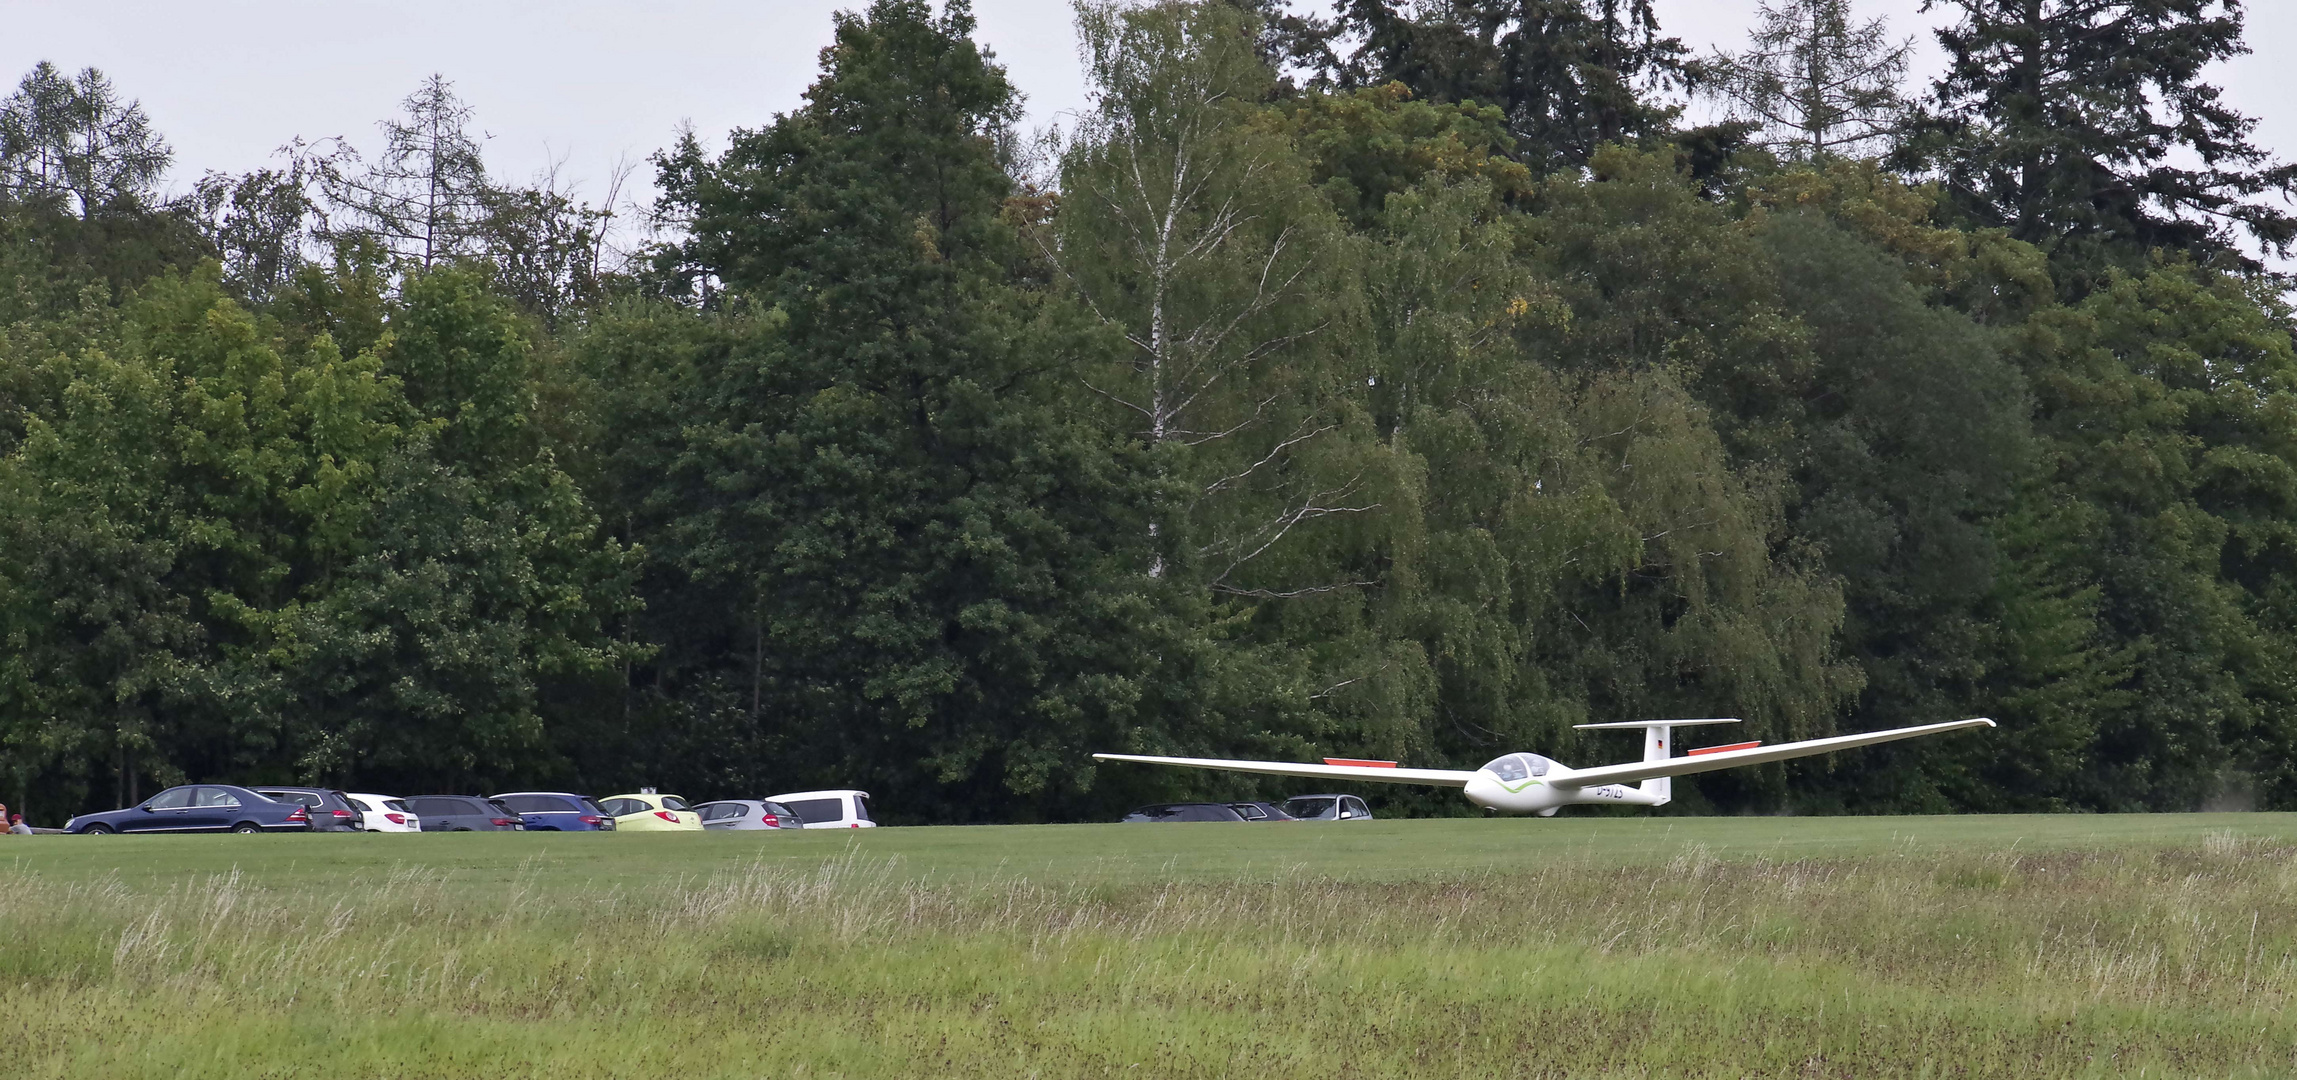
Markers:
point(588, 82)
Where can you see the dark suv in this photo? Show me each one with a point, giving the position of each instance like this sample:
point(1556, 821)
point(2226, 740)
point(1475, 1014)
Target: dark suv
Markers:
point(557, 811)
point(1187, 811)
point(331, 810)
point(464, 813)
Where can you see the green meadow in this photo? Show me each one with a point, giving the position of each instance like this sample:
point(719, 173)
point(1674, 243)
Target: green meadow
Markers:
point(1617, 947)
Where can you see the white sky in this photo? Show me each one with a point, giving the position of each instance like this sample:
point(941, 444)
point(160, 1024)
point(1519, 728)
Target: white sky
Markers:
point(587, 82)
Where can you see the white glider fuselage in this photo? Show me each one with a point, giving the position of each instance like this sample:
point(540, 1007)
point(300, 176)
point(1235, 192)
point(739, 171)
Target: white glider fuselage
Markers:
point(1531, 784)
point(1538, 796)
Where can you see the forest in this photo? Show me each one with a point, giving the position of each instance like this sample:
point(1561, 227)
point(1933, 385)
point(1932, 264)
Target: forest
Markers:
point(1406, 381)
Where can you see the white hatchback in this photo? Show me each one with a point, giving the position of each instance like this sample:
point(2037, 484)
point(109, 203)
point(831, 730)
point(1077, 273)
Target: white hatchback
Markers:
point(838, 808)
point(385, 813)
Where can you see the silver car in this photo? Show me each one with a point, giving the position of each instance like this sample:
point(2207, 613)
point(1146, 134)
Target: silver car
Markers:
point(1328, 808)
point(746, 814)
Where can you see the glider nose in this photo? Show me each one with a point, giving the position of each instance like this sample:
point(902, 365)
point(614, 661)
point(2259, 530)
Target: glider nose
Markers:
point(1483, 790)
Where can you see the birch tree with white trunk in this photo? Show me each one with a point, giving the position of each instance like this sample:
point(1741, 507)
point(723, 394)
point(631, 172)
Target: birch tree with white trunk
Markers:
point(1189, 227)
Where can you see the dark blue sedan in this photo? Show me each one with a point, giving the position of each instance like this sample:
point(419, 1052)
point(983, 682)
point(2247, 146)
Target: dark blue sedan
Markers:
point(557, 811)
point(199, 808)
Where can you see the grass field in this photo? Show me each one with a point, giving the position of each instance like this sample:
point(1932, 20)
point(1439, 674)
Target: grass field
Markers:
point(1972, 946)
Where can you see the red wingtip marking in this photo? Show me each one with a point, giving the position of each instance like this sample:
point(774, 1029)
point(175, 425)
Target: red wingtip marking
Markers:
point(1360, 762)
point(1720, 749)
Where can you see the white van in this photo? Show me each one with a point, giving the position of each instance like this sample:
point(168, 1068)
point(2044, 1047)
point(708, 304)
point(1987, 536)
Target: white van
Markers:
point(840, 808)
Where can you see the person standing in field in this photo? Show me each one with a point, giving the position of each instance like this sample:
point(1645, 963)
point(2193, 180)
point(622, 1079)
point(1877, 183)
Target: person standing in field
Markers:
point(16, 825)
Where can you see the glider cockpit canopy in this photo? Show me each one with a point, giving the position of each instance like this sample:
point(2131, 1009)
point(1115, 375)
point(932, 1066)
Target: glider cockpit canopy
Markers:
point(1516, 767)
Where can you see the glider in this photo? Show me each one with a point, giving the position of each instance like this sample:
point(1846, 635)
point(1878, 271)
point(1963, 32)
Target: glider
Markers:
point(1531, 784)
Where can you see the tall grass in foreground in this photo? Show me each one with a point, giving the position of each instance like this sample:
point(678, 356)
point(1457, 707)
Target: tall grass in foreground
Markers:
point(2178, 962)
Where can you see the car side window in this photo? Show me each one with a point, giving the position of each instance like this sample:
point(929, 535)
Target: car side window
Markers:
point(818, 811)
point(672, 802)
point(722, 811)
point(435, 807)
point(620, 807)
point(1249, 811)
point(861, 808)
point(172, 799)
point(218, 797)
point(1355, 806)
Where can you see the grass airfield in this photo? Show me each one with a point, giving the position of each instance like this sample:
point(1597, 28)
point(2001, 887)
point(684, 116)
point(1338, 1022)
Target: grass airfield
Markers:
point(2156, 945)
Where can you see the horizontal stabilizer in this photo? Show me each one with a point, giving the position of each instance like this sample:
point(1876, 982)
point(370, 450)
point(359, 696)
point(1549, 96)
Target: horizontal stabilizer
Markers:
point(1729, 759)
point(1382, 773)
point(1655, 723)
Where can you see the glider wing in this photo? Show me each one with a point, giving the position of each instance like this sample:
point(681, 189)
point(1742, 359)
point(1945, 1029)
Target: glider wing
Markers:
point(1384, 774)
point(1678, 766)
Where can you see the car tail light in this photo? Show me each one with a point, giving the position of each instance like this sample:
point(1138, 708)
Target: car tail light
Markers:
point(853, 825)
point(395, 819)
point(591, 820)
point(341, 813)
point(300, 813)
point(666, 816)
point(504, 823)
point(771, 821)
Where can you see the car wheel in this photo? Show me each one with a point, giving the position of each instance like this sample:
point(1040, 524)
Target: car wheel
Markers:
point(98, 829)
point(245, 827)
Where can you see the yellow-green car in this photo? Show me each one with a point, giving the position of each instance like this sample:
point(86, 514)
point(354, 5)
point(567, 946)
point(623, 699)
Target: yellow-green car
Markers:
point(648, 812)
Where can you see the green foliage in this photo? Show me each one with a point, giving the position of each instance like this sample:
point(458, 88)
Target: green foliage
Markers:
point(1418, 412)
point(240, 558)
point(2085, 128)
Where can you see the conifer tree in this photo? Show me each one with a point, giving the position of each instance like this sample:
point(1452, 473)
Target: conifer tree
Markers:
point(71, 139)
point(1820, 84)
point(2085, 127)
point(1570, 74)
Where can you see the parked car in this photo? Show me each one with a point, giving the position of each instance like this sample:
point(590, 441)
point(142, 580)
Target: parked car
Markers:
point(464, 813)
point(331, 810)
point(748, 814)
point(385, 813)
point(649, 812)
point(558, 811)
point(836, 808)
point(1327, 808)
point(199, 808)
point(1260, 811)
point(1191, 811)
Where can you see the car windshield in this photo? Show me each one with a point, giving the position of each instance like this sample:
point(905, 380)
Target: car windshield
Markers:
point(816, 811)
point(1309, 807)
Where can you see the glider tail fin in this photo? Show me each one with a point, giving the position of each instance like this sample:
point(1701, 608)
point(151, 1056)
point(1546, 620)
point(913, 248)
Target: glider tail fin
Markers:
point(1659, 789)
point(1657, 734)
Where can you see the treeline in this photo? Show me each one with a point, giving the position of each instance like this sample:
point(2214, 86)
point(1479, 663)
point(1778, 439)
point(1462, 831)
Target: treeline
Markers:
point(1412, 383)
